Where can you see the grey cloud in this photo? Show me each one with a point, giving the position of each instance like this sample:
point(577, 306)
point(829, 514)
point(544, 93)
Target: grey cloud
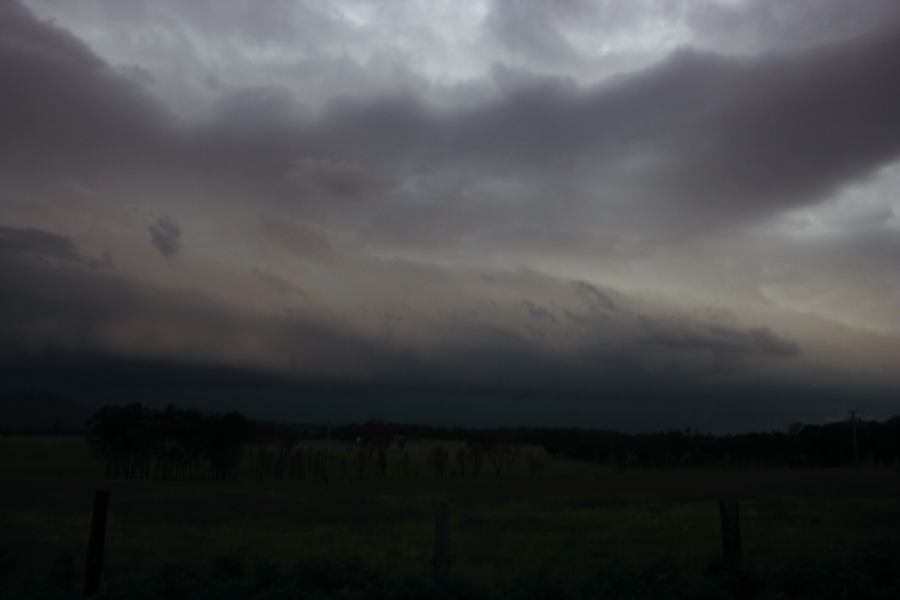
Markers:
point(105, 115)
point(335, 177)
point(37, 243)
point(301, 240)
point(538, 31)
point(538, 312)
point(761, 338)
point(390, 127)
point(282, 286)
point(46, 309)
point(530, 29)
point(729, 138)
point(468, 335)
point(390, 193)
point(865, 217)
point(30, 244)
point(255, 109)
point(165, 235)
point(848, 274)
point(748, 26)
point(687, 334)
point(816, 121)
point(259, 23)
point(595, 298)
point(181, 44)
point(737, 137)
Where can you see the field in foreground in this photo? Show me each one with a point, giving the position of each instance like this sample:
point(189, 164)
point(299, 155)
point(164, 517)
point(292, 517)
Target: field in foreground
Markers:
point(574, 530)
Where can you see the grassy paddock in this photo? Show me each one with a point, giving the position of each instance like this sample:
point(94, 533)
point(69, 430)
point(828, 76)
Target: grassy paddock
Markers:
point(566, 524)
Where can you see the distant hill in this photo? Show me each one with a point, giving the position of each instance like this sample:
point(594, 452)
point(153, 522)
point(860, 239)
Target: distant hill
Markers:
point(29, 412)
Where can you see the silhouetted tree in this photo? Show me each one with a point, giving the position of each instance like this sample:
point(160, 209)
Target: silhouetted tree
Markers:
point(437, 458)
point(137, 442)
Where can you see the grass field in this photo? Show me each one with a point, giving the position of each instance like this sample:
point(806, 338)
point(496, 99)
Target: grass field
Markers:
point(806, 533)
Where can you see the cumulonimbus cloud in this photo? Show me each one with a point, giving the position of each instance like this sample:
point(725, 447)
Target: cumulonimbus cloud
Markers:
point(534, 234)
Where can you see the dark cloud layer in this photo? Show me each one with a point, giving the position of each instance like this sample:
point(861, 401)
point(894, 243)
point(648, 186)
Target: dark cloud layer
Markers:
point(36, 243)
point(718, 340)
point(698, 137)
point(76, 307)
point(420, 232)
point(64, 109)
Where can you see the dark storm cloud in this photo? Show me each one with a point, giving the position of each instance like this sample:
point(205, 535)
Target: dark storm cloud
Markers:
point(30, 245)
point(696, 139)
point(281, 285)
point(716, 339)
point(165, 235)
point(596, 299)
point(373, 204)
point(255, 111)
point(336, 178)
point(70, 307)
point(725, 137)
point(790, 130)
point(62, 107)
point(538, 312)
point(37, 243)
point(301, 240)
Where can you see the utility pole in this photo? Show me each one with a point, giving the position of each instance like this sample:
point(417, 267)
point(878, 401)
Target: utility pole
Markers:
point(853, 414)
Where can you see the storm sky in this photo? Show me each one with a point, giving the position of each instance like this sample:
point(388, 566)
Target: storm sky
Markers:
point(601, 200)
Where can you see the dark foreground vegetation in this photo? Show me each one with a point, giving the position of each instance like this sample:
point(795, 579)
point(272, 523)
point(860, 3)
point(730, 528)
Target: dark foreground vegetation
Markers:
point(575, 530)
point(221, 506)
point(872, 575)
point(801, 445)
point(138, 442)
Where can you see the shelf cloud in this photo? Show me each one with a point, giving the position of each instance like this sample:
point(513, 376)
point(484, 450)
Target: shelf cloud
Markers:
point(566, 198)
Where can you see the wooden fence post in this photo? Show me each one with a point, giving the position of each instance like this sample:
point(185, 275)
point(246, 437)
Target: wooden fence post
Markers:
point(729, 511)
point(441, 543)
point(94, 563)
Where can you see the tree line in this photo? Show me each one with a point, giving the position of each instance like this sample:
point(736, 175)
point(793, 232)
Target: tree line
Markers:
point(136, 441)
point(835, 444)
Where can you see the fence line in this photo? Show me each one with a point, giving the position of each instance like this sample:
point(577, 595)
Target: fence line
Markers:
point(94, 563)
